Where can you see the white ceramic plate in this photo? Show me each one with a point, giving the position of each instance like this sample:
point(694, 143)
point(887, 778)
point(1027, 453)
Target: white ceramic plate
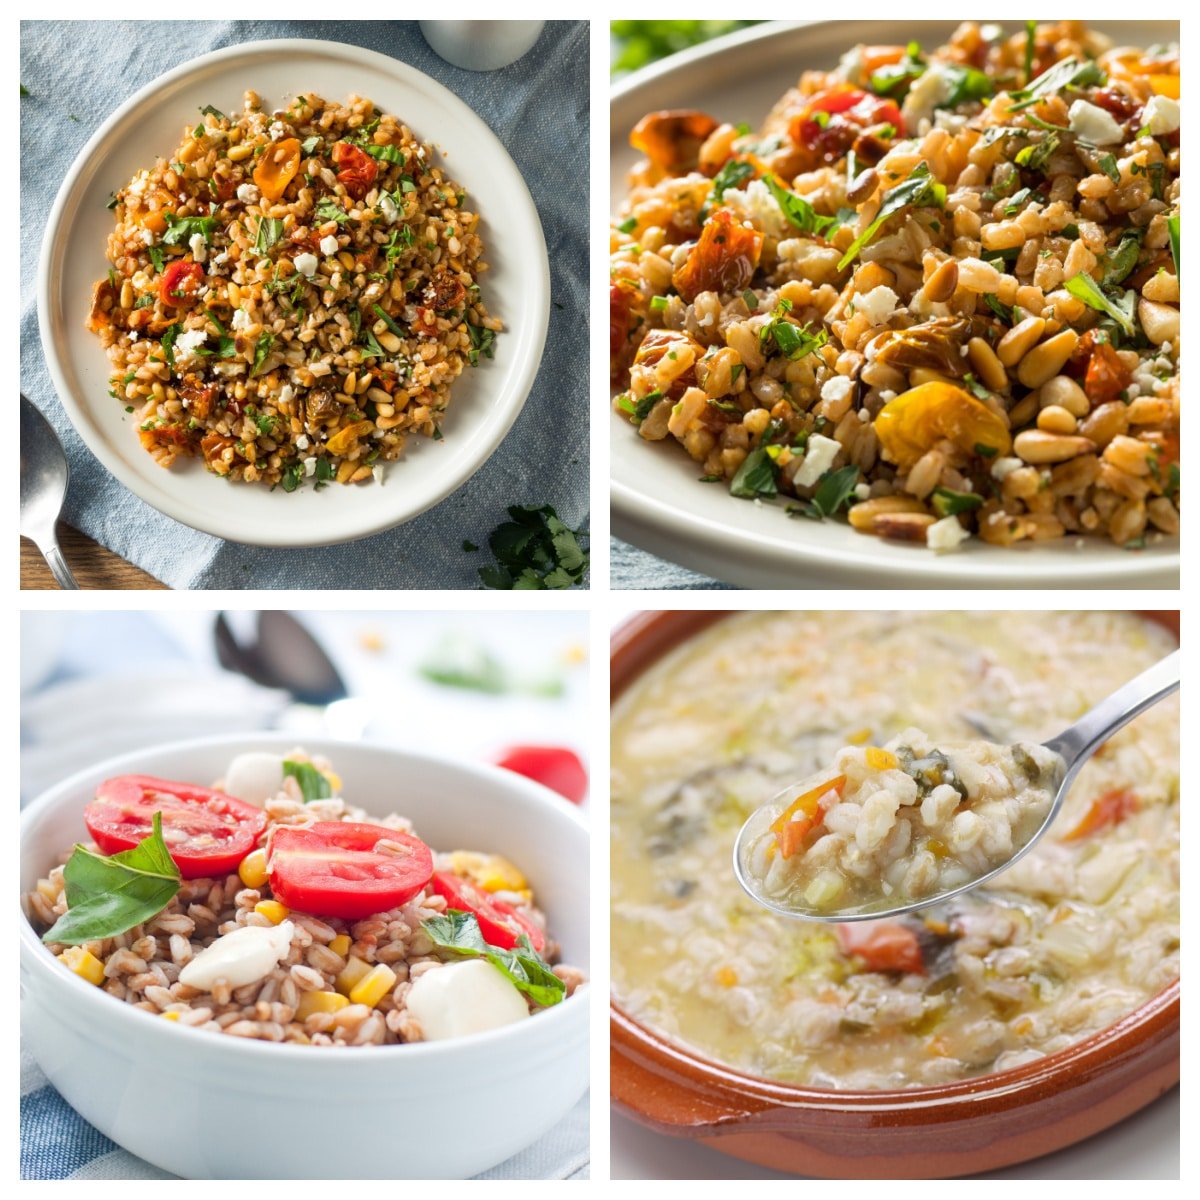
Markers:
point(657, 503)
point(486, 400)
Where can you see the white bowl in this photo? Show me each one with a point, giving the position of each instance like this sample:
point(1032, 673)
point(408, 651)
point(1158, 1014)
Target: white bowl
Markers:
point(486, 399)
point(657, 503)
point(208, 1106)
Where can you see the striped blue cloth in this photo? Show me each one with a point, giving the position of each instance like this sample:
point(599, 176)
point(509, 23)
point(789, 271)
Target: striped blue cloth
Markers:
point(77, 72)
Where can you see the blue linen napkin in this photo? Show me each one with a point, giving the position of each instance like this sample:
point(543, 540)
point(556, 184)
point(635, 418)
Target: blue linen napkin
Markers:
point(634, 568)
point(77, 72)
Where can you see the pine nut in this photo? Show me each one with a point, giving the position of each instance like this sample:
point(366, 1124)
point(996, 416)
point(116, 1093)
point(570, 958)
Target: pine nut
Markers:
point(942, 283)
point(237, 153)
point(1105, 423)
point(989, 368)
point(1036, 446)
point(389, 341)
point(864, 185)
point(864, 515)
point(1054, 419)
point(1045, 361)
point(1020, 339)
point(1063, 392)
point(378, 395)
point(903, 526)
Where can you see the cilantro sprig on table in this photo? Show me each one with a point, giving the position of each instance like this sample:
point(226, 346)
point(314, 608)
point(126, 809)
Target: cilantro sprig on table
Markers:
point(535, 551)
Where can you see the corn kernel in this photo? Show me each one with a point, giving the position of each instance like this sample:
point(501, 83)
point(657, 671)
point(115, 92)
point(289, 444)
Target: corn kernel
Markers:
point(341, 945)
point(252, 870)
point(84, 963)
point(319, 1002)
point(354, 971)
point(881, 760)
point(1022, 1026)
point(374, 986)
point(488, 871)
point(727, 977)
point(272, 910)
point(335, 781)
point(169, 1016)
point(857, 738)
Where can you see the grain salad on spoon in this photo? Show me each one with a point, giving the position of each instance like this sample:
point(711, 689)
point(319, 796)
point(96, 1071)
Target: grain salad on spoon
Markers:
point(292, 294)
point(270, 908)
point(937, 290)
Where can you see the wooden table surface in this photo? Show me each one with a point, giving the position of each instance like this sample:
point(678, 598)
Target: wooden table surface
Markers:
point(92, 566)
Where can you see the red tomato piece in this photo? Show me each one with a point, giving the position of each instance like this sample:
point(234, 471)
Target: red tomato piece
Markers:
point(206, 832)
point(832, 121)
point(556, 767)
point(358, 169)
point(723, 260)
point(333, 869)
point(881, 945)
point(180, 282)
point(1107, 377)
point(500, 923)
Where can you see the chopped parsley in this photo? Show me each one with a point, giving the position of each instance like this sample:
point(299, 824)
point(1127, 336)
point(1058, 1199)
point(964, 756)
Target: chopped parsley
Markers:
point(535, 551)
point(262, 348)
point(628, 225)
point(270, 230)
point(732, 175)
point(181, 230)
point(483, 341)
point(799, 211)
point(833, 493)
point(1108, 164)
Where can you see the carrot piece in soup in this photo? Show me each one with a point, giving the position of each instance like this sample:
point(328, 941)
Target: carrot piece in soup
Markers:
point(881, 946)
point(1109, 809)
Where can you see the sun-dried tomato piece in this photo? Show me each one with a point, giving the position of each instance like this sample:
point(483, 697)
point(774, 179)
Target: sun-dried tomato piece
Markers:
point(444, 293)
point(831, 122)
point(623, 297)
point(723, 260)
point(671, 139)
point(199, 398)
point(1107, 377)
point(656, 345)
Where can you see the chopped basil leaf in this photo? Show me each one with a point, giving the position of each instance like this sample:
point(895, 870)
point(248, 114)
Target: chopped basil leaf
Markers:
point(756, 478)
point(181, 230)
point(734, 173)
point(1108, 164)
point(145, 301)
point(313, 784)
point(799, 211)
point(291, 477)
point(948, 503)
point(270, 230)
point(309, 145)
point(1084, 287)
point(170, 334)
point(1120, 262)
point(628, 225)
point(966, 83)
point(1037, 154)
point(1067, 73)
point(833, 491)
point(920, 189)
point(328, 209)
point(157, 257)
point(262, 348)
point(483, 341)
point(208, 110)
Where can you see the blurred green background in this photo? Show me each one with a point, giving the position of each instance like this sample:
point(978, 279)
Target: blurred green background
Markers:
point(637, 43)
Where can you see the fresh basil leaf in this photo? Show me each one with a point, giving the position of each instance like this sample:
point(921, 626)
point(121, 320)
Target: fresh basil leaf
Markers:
point(328, 209)
point(313, 784)
point(757, 477)
point(1173, 231)
point(262, 348)
point(966, 83)
point(208, 110)
point(108, 896)
point(734, 173)
point(483, 341)
point(794, 342)
point(270, 230)
point(309, 145)
point(1070, 72)
point(459, 933)
point(799, 211)
point(157, 257)
point(1108, 164)
point(834, 490)
point(948, 503)
point(1037, 154)
point(181, 230)
point(1084, 287)
point(919, 190)
point(1120, 262)
point(169, 337)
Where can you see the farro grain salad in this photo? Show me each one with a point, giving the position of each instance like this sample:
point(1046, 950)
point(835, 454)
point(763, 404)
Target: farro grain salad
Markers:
point(272, 909)
point(937, 289)
point(1064, 942)
point(889, 825)
point(292, 294)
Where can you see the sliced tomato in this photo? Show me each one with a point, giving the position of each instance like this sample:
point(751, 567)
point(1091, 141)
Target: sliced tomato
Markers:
point(881, 945)
point(333, 869)
point(206, 832)
point(358, 169)
point(180, 282)
point(500, 923)
point(556, 767)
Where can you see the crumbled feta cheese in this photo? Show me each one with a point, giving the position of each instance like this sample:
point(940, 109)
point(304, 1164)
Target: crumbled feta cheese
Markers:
point(286, 393)
point(850, 66)
point(945, 535)
point(241, 957)
point(377, 472)
point(188, 342)
point(139, 185)
point(302, 442)
point(310, 465)
point(241, 319)
point(277, 131)
point(247, 193)
point(1002, 468)
point(819, 453)
point(199, 247)
point(134, 335)
point(306, 264)
point(756, 204)
point(933, 88)
point(1094, 124)
point(391, 214)
point(329, 245)
point(837, 389)
point(147, 236)
point(229, 368)
point(862, 491)
point(877, 305)
point(218, 259)
point(1161, 115)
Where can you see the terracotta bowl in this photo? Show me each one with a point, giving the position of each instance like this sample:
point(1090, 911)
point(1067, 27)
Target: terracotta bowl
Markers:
point(921, 1133)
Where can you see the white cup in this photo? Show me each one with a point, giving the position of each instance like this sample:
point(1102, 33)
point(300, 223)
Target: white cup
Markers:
point(481, 45)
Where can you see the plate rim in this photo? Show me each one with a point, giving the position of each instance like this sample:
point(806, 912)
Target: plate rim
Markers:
point(517, 382)
point(748, 555)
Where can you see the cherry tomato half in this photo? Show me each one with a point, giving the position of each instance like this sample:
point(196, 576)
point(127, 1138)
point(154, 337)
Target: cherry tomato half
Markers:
point(333, 869)
point(358, 169)
point(555, 767)
point(206, 832)
point(180, 282)
point(500, 923)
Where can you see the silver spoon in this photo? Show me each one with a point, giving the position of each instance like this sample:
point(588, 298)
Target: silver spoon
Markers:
point(1074, 746)
point(44, 478)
